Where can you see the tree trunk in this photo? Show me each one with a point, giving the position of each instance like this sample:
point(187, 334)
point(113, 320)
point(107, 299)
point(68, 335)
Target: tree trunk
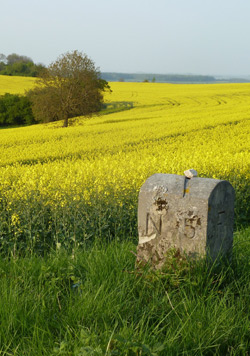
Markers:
point(66, 121)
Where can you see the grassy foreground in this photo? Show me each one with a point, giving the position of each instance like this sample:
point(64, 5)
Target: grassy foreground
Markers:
point(94, 302)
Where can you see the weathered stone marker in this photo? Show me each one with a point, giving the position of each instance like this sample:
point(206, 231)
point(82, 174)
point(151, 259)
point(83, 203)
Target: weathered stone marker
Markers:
point(193, 215)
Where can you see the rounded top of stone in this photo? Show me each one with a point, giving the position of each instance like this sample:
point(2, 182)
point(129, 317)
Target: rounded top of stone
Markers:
point(160, 184)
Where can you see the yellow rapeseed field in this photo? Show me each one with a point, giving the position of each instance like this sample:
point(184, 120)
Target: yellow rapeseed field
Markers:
point(57, 180)
point(15, 85)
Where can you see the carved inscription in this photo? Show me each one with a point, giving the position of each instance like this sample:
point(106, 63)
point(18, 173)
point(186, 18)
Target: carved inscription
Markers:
point(161, 205)
point(152, 226)
point(154, 220)
point(187, 222)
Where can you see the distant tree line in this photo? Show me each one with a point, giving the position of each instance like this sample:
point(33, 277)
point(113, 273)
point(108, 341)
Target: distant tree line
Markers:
point(162, 78)
point(14, 64)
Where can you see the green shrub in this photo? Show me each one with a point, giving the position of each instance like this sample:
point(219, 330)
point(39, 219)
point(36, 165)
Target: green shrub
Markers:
point(15, 110)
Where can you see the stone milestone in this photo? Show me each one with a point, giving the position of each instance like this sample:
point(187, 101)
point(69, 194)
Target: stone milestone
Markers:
point(193, 215)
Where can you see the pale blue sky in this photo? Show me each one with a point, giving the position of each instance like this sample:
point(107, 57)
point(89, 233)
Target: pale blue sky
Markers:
point(153, 36)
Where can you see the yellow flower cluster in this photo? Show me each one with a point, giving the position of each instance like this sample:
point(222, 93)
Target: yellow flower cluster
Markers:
point(169, 129)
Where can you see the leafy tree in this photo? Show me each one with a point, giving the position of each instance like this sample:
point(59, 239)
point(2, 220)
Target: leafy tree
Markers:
point(71, 86)
point(15, 110)
point(16, 58)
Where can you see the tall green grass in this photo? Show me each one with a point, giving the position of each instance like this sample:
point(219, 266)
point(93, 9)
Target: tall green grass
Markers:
point(95, 302)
